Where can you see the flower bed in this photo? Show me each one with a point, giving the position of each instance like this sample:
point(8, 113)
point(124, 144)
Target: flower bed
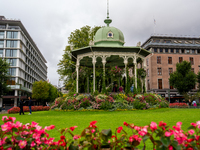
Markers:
point(26, 109)
point(15, 135)
point(178, 105)
point(110, 102)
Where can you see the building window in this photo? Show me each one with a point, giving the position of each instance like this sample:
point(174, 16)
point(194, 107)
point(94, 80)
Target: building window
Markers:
point(182, 51)
point(169, 60)
point(11, 53)
point(158, 59)
point(1, 44)
point(1, 53)
point(161, 50)
point(180, 59)
point(12, 71)
point(12, 35)
point(1, 35)
point(147, 72)
point(12, 62)
point(187, 51)
point(11, 43)
point(155, 50)
point(147, 61)
point(172, 50)
point(148, 85)
point(193, 51)
point(177, 50)
point(170, 70)
point(191, 61)
point(159, 83)
point(159, 71)
point(192, 69)
point(11, 81)
point(166, 50)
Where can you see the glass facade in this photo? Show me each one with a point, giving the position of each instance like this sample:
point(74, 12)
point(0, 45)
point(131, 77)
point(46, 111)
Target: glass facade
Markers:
point(1, 35)
point(11, 53)
point(12, 35)
point(11, 44)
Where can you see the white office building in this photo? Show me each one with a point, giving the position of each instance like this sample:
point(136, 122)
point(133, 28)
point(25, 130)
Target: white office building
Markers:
point(27, 64)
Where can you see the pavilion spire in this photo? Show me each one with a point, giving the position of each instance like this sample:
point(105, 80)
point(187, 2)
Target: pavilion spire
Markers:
point(107, 21)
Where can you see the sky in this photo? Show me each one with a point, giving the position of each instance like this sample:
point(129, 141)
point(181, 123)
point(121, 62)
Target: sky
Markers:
point(50, 22)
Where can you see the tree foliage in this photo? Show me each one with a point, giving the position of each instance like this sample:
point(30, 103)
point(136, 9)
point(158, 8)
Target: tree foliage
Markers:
point(82, 37)
point(66, 67)
point(44, 91)
point(3, 76)
point(183, 79)
point(198, 80)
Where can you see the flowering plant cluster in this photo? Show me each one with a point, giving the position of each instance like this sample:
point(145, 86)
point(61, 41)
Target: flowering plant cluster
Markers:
point(116, 71)
point(26, 109)
point(110, 102)
point(15, 135)
point(178, 105)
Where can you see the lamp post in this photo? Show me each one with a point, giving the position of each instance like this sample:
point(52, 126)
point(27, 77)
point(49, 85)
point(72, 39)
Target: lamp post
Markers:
point(19, 95)
point(169, 95)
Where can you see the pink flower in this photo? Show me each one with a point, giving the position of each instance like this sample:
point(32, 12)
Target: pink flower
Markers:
point(178, 124)
point(32, 144)
point(170, 147)
point(191, 132)
point(72, 128)
point(76, 137)
point(22, 144)
point(4, 117)
point(93, 130)
point(153, 126)
point(167, 134)
point(3, 141)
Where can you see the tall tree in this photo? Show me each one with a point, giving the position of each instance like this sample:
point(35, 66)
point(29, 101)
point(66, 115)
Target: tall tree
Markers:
point(198, 80)
point(183, 79)
point(3, 76)
point(66, 67)
point(82, 37)
point(40, 90)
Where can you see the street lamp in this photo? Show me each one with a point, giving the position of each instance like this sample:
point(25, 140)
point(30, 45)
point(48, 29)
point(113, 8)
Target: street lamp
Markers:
point(19, 95)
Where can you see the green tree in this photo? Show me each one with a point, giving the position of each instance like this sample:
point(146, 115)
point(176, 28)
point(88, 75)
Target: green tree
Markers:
point(53, 93)
point(66, 67)
point(198, 80)
point(183, 79)
point(82, 37)
point(40, 90)
point(3, 76)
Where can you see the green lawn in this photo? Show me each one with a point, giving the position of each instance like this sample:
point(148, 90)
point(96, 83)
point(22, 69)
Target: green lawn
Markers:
point(106, 119)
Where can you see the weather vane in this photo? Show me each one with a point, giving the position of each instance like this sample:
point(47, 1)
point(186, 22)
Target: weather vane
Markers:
point(107, 8)
point(108, 21)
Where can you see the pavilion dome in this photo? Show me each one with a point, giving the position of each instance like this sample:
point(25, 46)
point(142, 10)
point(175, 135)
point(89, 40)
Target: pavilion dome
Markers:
point(109, 36)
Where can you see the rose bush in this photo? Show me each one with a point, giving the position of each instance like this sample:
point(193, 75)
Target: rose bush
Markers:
point(15, 135)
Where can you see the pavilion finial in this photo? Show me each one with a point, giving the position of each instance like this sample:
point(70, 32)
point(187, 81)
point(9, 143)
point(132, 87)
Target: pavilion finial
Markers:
point(107, 21)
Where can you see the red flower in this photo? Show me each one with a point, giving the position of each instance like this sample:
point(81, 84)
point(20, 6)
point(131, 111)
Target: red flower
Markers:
point(119, 129)
point(72, 128)
point(126, 124)
point(92, 124)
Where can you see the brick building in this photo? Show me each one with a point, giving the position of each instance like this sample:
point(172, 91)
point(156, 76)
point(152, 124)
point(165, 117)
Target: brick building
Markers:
point(166, 52)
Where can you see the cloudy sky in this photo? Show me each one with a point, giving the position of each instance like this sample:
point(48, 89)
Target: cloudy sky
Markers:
point(50, 22)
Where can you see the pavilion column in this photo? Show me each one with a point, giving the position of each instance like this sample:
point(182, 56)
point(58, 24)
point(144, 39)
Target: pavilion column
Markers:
point(77, 77)
point(94, 62)
point(104, 75)
point(125, 63)
point(135, 67)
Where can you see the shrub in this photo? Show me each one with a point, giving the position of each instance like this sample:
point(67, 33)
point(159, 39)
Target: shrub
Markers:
point(178, 105)
point(14, 110)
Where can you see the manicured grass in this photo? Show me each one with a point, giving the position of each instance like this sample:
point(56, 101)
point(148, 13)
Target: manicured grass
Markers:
point(106, 119)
